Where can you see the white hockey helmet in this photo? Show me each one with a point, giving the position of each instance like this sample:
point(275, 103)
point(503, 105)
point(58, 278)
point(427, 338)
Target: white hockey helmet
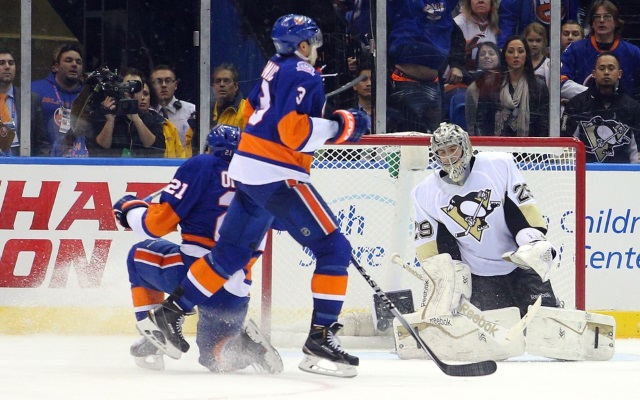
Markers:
point(448, 135)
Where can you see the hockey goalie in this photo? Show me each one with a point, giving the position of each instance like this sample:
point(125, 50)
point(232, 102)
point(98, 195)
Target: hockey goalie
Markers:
point(480, 239)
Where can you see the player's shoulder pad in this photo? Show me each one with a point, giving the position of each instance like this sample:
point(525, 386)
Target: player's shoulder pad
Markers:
point(304, 66)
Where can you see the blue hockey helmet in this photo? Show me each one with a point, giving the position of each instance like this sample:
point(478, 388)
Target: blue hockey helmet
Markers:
point(222, 141)
point(292, 29)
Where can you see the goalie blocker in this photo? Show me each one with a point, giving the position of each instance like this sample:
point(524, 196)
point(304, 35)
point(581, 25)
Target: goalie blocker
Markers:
point(461, 332)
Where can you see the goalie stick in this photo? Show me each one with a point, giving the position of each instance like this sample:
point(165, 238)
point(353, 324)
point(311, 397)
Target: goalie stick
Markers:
point(473, 369)
point(501, 333)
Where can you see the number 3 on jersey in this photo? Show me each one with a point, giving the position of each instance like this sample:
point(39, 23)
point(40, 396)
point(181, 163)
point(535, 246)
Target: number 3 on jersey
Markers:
point(265, 102)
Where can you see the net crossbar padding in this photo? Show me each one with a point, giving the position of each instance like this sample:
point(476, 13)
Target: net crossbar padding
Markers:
point(368, 185)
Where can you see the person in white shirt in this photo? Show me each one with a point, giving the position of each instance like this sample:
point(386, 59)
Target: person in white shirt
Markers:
point(163, 79)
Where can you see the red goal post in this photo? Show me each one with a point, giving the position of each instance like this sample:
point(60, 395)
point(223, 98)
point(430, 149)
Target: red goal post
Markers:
point(368, 184)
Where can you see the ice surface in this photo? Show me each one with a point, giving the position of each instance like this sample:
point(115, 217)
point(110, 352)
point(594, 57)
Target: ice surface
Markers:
point(100, 367)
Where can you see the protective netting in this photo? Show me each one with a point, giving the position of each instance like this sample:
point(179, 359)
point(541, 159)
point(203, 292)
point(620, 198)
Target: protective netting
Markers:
point(368, 188)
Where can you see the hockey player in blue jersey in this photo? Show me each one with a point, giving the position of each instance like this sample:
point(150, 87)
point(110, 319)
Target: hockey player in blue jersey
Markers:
point(196, 199)
point(271, 171)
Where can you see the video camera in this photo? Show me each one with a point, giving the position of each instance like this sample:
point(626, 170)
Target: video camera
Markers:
point(106, 83)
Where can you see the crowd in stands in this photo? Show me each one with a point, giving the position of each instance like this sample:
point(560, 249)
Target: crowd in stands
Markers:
point(482, 64)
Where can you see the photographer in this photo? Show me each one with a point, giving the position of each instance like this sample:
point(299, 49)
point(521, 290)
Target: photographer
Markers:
point(123, 130)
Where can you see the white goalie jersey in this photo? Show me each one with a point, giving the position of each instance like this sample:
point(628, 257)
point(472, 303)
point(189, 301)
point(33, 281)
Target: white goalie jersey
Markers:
point(476, 222)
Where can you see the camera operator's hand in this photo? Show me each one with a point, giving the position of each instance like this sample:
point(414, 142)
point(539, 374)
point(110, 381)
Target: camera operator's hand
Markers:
point(133, 117)
point(109, 106)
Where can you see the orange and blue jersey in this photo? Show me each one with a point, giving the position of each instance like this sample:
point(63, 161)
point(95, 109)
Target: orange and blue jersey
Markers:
point(285, 126)
point(196, 199)
point(579, 60)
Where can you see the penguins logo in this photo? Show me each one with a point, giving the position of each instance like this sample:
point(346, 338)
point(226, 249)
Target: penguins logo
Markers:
point(470, 212)
point(604, 136)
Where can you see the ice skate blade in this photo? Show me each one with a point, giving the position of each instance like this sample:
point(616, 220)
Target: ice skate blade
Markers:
point(322, 366)
point(149, 330)
point(153, 362)
point(271, 357)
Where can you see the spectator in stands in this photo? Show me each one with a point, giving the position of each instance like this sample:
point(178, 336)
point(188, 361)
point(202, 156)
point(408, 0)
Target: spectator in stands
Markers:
point(483, 95)
point(478, 21)
point(163, 79)
point(515, 15)
point(229, 103)
point(363, 90)
point(357, 14)
point(137, 134)
point(605, 118)
point(419, 45)
point(173, 145)
point(571, 31)
point(536, 37)
point(524, 98)
point(10, 112)
point(606, 28)
point(57, 93)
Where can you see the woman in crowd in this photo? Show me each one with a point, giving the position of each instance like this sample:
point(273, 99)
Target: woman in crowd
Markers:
point(127, 133)
point(482, 96)
point(524, 98)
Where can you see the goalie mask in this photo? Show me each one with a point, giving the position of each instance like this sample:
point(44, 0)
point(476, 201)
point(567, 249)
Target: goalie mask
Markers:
point(453, 161)
point(222, 141)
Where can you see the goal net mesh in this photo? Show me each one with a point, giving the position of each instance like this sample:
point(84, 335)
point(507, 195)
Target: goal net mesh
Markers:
point(368, 186)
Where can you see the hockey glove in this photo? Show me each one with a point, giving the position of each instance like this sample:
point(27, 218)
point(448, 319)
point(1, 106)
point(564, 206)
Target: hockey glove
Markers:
point(124, 205)
point(538, 255)
point(352, 124)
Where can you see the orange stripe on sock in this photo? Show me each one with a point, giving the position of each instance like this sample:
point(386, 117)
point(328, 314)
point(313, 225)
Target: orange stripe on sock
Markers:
point(328, 284)
point(146, 297)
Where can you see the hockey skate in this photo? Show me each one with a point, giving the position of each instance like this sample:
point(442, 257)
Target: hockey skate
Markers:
point(147, 355)
point(163, 328)
point(249, 347)
point(262, 353)
point(322, 350)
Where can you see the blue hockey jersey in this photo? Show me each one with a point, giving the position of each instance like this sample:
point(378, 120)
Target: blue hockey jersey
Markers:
point(279, 139)
point(196, 199)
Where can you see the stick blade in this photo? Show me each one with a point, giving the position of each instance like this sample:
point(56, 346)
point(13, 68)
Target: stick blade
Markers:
point(475, 369)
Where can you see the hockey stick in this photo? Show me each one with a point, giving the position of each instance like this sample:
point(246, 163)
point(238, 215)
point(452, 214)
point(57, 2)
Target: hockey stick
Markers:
point(499, 333)
point(474, 369)
point(346, 86)
point(153, 195)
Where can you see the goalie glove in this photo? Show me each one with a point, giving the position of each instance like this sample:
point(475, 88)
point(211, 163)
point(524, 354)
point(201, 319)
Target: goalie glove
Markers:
point(124, 205)
point(538, 255)
point(352, 124)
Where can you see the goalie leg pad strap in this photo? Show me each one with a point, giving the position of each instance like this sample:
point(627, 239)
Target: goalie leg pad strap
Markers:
point(571, 335)
point(455, 338)
point(451, 282)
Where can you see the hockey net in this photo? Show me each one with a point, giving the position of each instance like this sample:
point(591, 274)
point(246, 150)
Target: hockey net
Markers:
point(368, 187)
